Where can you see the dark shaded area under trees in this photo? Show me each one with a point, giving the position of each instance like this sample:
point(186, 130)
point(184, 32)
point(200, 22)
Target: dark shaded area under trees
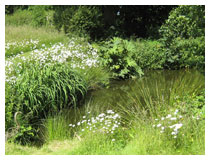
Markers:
point(107, 21)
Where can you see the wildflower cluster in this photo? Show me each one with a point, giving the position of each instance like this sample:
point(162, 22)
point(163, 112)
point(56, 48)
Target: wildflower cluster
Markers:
point(15, 48)
point(171, 124)
point(78, 55)
point(105, 123)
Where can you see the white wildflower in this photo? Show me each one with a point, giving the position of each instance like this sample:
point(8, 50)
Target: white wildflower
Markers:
point(173, 118)
point(176, 111)
point(109, 111)
point(159, 125)
point(173, 133)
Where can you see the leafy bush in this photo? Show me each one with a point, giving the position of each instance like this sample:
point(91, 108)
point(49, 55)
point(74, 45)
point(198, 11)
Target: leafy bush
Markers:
point(183, 37)
point(127, 58)
point(79, 20)
point(118, 55)
point(186, 53)
point(184, 22)
point(39, 15)
point(193, 105)
point(149, 54)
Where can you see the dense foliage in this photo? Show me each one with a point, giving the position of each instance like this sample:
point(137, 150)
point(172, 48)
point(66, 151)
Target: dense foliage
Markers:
point(183, 37)
point(127, 58)
point(118, 55)
point(79, 20)
point(107, 21)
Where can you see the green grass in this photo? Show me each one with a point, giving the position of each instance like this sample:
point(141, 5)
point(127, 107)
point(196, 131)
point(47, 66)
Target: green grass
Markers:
point(26, 33)
point(19, 18)
point(143, 139)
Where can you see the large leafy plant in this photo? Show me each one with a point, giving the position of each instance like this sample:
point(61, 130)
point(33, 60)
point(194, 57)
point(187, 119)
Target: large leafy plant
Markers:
point(118, 55)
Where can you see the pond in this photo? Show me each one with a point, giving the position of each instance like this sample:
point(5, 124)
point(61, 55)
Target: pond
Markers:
point(156, 91)
point(163, 82)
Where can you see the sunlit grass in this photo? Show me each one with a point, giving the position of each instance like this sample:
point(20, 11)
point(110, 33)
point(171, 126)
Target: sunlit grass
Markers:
point(142, 139)
point(26, 32)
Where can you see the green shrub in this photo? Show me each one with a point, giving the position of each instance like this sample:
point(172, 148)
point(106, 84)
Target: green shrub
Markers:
point(149, 54)
point(79, 20)
point(127, 58)
point(184, 22)
point(186, 53)
point(193, 105)
point(39, 15)
point(118, 55)
point(183, 37)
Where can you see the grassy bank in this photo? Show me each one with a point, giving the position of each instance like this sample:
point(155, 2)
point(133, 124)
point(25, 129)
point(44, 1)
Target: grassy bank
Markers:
point(143, 139)
point(25, 38)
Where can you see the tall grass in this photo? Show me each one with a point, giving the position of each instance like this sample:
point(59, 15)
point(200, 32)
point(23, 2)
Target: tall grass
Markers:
point(40, 91)
point(56, 126)
point(157, 93)
point(26, 32)
point(143, 139)
point(20, 17)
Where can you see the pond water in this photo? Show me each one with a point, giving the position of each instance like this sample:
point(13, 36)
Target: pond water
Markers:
point(164, 83)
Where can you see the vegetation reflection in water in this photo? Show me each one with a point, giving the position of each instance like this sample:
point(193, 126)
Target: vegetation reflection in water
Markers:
point(159, 85)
